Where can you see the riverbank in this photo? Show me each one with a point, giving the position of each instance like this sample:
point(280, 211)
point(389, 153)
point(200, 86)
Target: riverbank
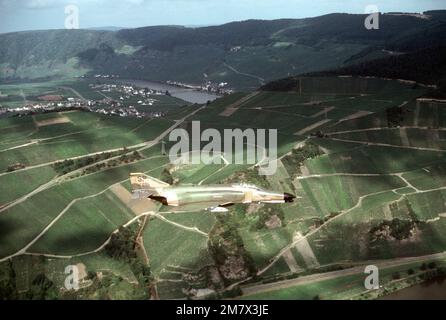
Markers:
point(434, 289)
point(189, 95)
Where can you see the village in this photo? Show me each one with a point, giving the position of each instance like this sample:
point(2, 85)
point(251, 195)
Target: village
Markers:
point(208, 86)
point(118, 100)
point(220, 88)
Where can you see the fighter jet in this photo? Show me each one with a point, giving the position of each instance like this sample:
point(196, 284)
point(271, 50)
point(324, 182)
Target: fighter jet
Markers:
point(213, 198)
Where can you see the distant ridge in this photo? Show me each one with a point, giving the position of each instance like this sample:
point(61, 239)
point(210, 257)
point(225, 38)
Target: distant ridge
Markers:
point(110, 28)
point(237, 53)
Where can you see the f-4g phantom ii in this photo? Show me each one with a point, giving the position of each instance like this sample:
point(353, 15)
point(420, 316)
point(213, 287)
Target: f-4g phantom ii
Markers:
point(214, 198)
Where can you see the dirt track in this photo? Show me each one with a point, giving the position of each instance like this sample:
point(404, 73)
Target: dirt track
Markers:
point(312, 127)
point(60, 119)
point(254, 289)
point(231, 109)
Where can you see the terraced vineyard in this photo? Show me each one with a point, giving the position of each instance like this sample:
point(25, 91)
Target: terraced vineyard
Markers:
point(373, 193)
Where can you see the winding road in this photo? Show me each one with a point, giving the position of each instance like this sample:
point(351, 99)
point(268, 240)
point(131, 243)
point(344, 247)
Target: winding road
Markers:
point(54, 181)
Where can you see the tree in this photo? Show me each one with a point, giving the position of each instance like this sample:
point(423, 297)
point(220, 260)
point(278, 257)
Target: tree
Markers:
point(432, 265)
point(8, 290)
point(396, 276)
point(42, 288)
point(166, 176)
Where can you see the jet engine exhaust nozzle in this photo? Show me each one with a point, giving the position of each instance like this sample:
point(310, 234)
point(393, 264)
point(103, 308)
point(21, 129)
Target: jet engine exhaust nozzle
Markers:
point(288, 197)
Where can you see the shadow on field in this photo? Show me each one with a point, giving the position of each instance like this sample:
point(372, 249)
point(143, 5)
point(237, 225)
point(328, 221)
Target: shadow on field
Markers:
point(6, 229)
point(75, 243)
point(348, 241)
point(10, 240)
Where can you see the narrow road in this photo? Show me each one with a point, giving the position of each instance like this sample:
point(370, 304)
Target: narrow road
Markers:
point(25, 248)
point(43, 187)
point(309, 234)
point(304, 280)
point(39, 189)
point(20, 146)
point(150, 144)
point(75, 92)
point(140, 147)
point(215, 172)
point(192, 229)
point(260, 79)
point(357, 205)
point(105, 96)
point(387, 145)
point(383, 129)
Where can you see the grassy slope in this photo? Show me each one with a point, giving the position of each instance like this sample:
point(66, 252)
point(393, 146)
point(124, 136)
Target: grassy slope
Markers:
point(86, 133)
point(343, 238)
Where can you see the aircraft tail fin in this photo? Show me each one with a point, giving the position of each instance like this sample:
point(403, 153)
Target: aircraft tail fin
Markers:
point(141, 181)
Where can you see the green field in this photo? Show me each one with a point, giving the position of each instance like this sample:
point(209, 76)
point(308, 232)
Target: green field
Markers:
point(23, 182)
point(16, 95)
point(374, 190)
point(85, 133)
point(31, 216)
point(344, 287)
point(168, 245)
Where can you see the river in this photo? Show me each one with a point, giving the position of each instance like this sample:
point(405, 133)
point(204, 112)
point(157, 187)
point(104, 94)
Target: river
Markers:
point(189, 95)
point(431, 290)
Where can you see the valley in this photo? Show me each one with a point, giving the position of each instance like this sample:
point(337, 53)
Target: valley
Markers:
point(360, 120)
point(242, 55)
point(372, 170)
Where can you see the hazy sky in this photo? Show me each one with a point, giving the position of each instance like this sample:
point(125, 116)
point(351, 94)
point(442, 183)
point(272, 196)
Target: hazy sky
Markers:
point(18, 15)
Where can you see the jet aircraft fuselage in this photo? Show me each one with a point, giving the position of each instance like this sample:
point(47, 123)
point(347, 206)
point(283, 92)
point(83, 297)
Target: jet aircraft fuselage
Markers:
point(211, 197)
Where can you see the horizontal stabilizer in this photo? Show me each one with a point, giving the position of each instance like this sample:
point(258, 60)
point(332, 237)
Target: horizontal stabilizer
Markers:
point(140, 194)
point(140, 181)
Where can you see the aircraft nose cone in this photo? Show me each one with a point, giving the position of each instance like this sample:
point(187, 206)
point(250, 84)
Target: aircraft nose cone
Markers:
point(288, 197)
